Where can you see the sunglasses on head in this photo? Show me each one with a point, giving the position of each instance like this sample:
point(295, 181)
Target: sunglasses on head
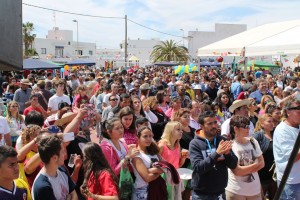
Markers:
point(113, 99)
point(244, 126)
point(293, 108)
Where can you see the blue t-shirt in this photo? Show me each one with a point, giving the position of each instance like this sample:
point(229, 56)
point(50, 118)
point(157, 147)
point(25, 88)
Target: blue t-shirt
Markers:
point(20, 191)
point(46, 187)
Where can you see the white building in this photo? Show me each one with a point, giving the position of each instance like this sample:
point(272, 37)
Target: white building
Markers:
point(139, 51)
point(59, 46)
point(198, 39)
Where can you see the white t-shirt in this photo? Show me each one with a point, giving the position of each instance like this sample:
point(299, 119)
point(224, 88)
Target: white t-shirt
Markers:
point(284, 139)
point(139, 181)
point(248, 185)
point(55, 100)
point(4, 129)
point(225, 128)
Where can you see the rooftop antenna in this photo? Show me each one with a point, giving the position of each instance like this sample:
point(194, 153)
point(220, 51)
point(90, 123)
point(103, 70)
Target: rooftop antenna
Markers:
point(54, 20)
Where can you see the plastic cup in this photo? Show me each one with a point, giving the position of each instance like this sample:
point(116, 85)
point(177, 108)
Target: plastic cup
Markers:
point(71, 160)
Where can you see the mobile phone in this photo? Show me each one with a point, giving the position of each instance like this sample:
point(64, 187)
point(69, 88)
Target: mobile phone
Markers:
point(67, 137)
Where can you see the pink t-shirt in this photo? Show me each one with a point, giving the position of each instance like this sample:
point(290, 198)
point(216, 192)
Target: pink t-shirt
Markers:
point(130, 138)
point(171, 156)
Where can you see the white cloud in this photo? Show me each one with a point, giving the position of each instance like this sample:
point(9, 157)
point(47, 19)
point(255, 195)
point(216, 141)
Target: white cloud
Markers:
point(164, 15)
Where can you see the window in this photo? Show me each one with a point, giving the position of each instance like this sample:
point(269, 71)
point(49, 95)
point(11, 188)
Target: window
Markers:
point(78, 52)
point(44, 51)
point(91, 53)
point(59, 51)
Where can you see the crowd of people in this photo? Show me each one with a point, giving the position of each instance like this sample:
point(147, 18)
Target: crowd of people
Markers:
point(234, 133)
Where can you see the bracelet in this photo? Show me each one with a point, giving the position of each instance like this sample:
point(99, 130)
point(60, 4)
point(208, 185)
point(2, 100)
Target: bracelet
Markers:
point(127, 158)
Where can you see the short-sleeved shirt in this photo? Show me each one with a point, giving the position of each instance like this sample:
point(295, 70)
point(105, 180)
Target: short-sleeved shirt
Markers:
point(4, 129)
point(30, 108)
point(46, 187)
point(55, 100)
point(20, 191)
point(284, 139)
point(104, 185)
point(248, 185)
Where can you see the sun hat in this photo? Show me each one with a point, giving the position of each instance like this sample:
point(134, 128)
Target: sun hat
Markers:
point(41, 82)
point(25, 82)
point(66, 118)
point(239, 103)
point(145, 86)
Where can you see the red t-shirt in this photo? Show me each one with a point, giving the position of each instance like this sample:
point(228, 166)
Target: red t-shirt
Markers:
point(31, 177)
point(105, 185)
point(30, 108)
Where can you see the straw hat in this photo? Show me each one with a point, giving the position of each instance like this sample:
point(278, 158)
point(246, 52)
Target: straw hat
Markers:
point(65, 119)
point(239, 103)
point(25, 82)
point(145, 86)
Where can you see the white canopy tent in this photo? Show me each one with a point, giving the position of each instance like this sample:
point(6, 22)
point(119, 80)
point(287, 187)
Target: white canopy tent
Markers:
point(269, 39)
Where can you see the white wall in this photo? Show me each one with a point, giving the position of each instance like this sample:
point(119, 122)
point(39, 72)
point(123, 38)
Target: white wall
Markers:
point(198, 39)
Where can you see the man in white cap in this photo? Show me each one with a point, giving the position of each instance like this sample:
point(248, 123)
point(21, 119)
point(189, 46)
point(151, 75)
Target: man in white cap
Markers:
point(22, 95)
point(238, 107)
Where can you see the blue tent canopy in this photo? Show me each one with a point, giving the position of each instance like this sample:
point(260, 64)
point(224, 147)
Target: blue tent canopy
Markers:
point(209, 64)
point(81, 62)
point(40, 64)
point(166, 63)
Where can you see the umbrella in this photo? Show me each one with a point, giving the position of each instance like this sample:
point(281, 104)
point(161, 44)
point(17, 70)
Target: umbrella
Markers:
point(40, 64)
point(81, 62)
point(166, 63)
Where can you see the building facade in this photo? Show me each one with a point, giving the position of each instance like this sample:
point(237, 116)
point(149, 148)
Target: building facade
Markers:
point(59, 46)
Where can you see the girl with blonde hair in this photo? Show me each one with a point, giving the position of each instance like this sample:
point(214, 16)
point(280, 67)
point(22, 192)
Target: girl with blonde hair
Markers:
point(169, 149)
point(263, 135)
point(15, 121)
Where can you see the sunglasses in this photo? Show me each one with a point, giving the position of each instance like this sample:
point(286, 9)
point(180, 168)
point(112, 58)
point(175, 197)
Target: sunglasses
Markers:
point(113, 99)
point(293, 108)
point(244, 126)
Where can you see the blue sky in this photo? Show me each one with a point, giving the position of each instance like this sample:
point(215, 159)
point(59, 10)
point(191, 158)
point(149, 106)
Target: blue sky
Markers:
point(167, 16)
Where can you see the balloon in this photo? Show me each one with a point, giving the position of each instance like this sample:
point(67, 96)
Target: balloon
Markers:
point(177, 71)
point(192, 65)
point(66, 73)
point(179, 67)
point(186, 69)
point(194, 68)
point(66, 67)
point(62, 69)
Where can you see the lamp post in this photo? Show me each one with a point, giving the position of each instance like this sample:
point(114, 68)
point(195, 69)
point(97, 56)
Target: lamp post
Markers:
point(77, 36)
point(182, 36)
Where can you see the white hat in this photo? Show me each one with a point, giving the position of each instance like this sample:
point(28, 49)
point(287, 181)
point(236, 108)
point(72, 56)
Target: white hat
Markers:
point(197, 87)
point(238, 103)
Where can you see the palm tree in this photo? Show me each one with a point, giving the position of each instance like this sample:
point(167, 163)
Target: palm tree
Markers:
point(170, 51)
point(28, 38)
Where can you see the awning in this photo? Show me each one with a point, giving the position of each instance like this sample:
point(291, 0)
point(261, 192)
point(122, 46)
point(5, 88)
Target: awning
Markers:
point(81, 62)
point(269, 39)
point(166, 63)
point(40, 64)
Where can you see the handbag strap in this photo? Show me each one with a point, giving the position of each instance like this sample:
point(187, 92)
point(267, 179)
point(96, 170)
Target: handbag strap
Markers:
point(40, 92)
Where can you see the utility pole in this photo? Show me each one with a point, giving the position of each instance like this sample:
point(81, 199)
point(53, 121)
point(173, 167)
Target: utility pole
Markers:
point(77, 35)
point(182, 36)
point(125, 46)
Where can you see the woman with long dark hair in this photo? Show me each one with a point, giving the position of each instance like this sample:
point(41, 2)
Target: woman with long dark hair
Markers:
point(223, 101)
point(142, 163)
point(116, 151)
point(99, 181)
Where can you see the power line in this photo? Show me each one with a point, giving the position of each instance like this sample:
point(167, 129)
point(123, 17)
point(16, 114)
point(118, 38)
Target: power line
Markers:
point(66, 12)
point(97, 16)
